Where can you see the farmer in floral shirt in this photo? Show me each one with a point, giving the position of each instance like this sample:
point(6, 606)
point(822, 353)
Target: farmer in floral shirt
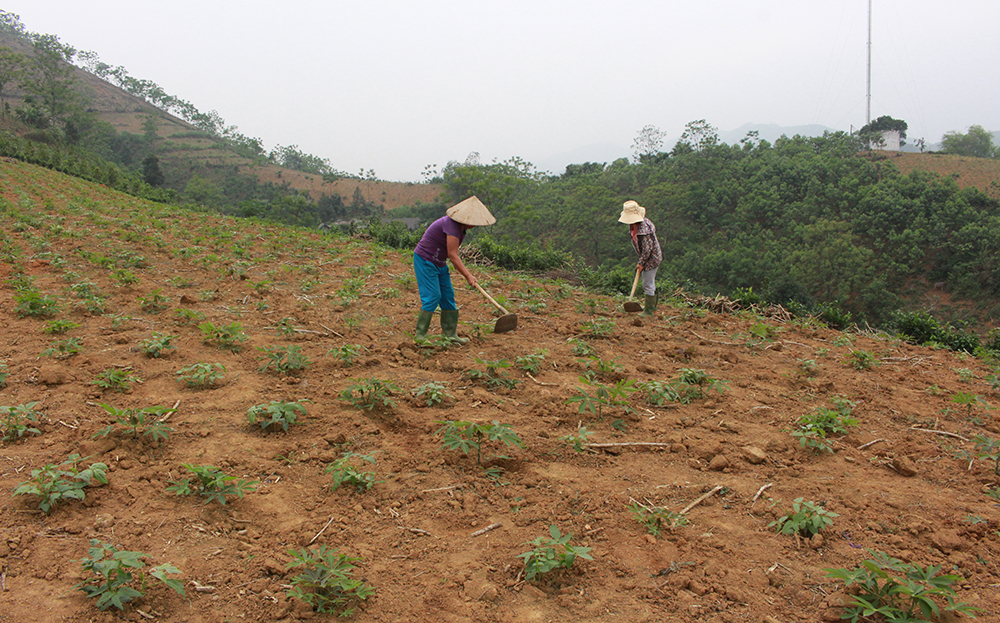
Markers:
point(644, 241)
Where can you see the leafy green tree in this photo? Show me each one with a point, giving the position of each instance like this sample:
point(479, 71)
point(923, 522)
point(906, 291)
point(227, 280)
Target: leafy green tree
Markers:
point(50, 77)
point(699, 135)
point(648, 143)
point(977, 143)
point(151, 172)
point(12, 67)
point(885, 123)
point(498, 185)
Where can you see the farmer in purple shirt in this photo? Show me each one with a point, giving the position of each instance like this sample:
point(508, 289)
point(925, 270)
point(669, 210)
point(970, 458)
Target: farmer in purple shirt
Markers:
point(438, 245)
point(643, 234)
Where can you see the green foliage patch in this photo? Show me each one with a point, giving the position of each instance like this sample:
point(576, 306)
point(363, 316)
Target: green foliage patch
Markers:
point(119, 576)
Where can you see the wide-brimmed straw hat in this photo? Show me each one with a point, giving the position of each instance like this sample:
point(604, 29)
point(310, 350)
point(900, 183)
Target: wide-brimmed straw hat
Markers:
point(632, 212)
point(471, 212)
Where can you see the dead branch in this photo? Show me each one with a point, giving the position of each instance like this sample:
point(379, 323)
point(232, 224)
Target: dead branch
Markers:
point(870, 443)
point(417, 531)
point(537, 382)
point(322, 531)
point(492, 526)
point(940, 432)
point(701, 499)
point(628, 443)
point(759, 491)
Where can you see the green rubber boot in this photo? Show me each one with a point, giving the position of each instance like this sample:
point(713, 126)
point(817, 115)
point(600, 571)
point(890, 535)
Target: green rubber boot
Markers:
point(649, 309)
point(423, 323)
point(449, 326)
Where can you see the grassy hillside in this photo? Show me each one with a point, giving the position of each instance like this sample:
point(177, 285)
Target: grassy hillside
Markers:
point(109, 303)
point(186, 150)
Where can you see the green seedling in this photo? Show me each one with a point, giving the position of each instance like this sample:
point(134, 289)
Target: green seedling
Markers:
point(370, 394)
point(211, 483)
point(531, 363)
point(807, 368)
point(60, 326)
point(347, 353)
point(965, 375)
point(604, 396)
point(898, 591)
point(595, 367)
point(229, 338)
point(861, 360)
point(124, 277)
point(814, 428)
point(115, 380)
point(276, 414)
point(467, 436)
point(577, 440)
point(988, 449)
point(693, 384)
point(4, 373)
point(805, 519)
point(494, 375)
point(64, 481)
point(63, 349)
point(969, 400)
point(659, 393)
point(283, 359)
point(14, 421)
point(157, 346)
point(657, 518)
point(201, 375)
point(326, 581)
point(599, 328)
point(551, 553)
point(154, 302)
point(344, 473)
point(183, 315)
point(34, 303)
point(582, 348)
point(117, 572)
point(432, 393)
point(139, 422)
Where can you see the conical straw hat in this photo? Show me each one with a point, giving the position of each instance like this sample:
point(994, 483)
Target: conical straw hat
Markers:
point(471, 212)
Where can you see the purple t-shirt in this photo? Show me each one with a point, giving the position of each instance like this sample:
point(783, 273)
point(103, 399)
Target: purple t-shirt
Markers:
point(433, 246)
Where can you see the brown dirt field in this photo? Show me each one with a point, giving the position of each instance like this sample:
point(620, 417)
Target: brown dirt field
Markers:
point(981, 173)
point(899, 481)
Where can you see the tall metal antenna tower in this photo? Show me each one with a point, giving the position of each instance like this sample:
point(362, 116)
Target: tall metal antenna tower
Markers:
point(868, 98)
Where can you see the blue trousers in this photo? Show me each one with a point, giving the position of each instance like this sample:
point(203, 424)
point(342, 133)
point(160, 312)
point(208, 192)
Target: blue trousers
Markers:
point(434, 283)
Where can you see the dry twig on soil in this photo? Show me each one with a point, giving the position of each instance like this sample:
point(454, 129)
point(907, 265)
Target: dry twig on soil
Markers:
point(701, 499)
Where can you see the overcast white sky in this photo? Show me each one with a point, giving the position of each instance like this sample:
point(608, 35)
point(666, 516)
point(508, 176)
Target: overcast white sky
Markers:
point(394, 85)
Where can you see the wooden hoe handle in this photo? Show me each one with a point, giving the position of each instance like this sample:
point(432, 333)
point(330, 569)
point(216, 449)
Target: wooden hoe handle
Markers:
point(635, 282)
point(490, 299)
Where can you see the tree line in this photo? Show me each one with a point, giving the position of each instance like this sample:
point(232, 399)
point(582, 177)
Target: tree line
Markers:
point(807, 222)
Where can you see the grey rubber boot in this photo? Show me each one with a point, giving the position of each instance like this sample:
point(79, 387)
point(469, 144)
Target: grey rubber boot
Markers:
point(649, 309)
point(423, 323)
point(449, 326)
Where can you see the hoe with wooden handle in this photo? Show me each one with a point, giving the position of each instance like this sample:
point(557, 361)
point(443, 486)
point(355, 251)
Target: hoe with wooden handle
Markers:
point(505, 323)
point(631, 306)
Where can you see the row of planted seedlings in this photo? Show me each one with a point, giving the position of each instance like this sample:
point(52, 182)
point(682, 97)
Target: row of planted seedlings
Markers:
point(883, 583)
point(116, 572)
point(603, 397)
point(120, 576)
point(112, 584)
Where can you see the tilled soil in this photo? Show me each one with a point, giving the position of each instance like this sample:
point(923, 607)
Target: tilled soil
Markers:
point(439, 535)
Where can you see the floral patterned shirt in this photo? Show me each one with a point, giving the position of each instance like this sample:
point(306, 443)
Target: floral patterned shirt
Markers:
point(646, 245)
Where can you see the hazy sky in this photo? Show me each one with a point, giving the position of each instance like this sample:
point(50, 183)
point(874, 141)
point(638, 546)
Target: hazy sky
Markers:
point(394, 85)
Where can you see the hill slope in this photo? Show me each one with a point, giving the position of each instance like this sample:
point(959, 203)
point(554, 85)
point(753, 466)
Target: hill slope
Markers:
point(903, 481)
